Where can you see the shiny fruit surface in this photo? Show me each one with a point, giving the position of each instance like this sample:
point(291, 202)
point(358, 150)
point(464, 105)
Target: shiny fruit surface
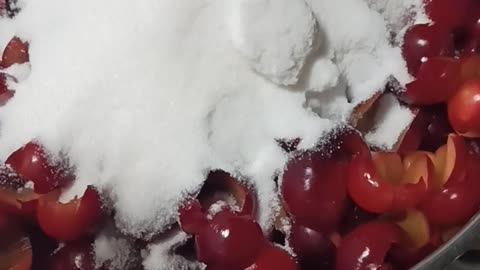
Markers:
point(31, 163)
point(366, 246)
point(386, 183)
point(314, 249)
point(437, 81)
point(423, 41)
point(274, 258)
point(464, 109)
point(314, 190)
point(69, 221)
point(230, 241)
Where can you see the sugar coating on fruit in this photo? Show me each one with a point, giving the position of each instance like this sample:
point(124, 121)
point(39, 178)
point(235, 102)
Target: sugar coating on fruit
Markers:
point(161, 255)
point(146, 98)
point(391, 120)
point(399, 14)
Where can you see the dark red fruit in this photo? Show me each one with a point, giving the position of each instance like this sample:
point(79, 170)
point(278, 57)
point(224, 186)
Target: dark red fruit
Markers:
point(449, 13)
point(16, 52)
point(66, 222)
point(191, 217)
point(457, 201)
point(368, 188)
point(229, 241)
point(314, 249)
point(365, 247)
point(274, 258)
point(222, 186)
point(31, 163)
point(437, 130)
point(437, 81)
point(314, 190)
point(423, 41)
point(464, 109)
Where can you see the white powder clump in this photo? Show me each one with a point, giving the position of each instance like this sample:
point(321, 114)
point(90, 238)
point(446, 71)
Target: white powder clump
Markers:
point(391, 120)
point(114, 252)
point(144, 105)
point(275, 35)
point(161, 256)
point(146, 97)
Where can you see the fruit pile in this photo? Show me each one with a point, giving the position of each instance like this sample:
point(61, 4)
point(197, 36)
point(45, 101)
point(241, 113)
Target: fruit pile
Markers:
point(345, 206)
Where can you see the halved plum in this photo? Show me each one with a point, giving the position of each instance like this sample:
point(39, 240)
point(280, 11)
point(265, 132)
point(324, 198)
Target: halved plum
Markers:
point(70, 221)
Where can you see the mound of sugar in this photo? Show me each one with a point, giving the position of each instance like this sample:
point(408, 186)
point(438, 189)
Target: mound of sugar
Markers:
point(275, 36)
point(146, 97)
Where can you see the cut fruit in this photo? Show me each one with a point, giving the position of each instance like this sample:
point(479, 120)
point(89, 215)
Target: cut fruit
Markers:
point(388, 183)
point(451, 206)
point(366, 246)
point(423, 41)
point(344, 144)
point(66, 222)
point(274, 258)
point(32, 164)
point(412, 137)
point(454, 198)
point(16, 52)
point(313, 190)
point(389, 166)
point(221, 186)
point(362, 109)
point(417, 167)
point(464, 109)
point(229, 241)
point(449, 162)
point(191, 217)
point(437, 81)
point(417, 229)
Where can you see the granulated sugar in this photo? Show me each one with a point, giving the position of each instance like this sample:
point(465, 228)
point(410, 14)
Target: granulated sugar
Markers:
point(391, 120)
point(146, 97)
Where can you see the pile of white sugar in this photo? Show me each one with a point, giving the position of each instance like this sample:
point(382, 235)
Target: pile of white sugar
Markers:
point(145, 97)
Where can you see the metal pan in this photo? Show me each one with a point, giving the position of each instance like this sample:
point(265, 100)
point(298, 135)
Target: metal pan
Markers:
point(449, 256)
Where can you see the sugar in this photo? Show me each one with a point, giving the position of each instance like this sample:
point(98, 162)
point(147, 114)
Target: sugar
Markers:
point(391, 120)
point(400, 14)
point(161, 256)
point(146, 98)
point(276, 36)
point(116, 252)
